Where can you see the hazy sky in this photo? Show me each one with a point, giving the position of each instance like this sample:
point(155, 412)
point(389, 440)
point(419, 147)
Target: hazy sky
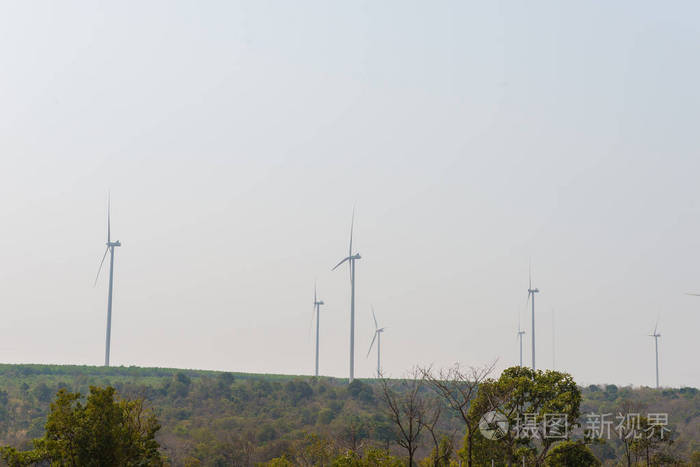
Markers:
point(237, 136)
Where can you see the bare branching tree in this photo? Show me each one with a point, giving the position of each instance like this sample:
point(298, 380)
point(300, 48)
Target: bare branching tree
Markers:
point(431, 421)
point(457, 387)
point(433, 409)
point(406, 409)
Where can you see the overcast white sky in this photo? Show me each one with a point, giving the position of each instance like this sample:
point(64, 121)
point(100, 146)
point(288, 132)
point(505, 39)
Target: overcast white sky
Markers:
point(237, 136)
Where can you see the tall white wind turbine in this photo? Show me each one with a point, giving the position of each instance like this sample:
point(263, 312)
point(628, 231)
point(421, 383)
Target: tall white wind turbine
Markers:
point(351, 258)
point(378, 337)
point(317, 310)
point(531, 295)
point(656, 336)
point(110, 249)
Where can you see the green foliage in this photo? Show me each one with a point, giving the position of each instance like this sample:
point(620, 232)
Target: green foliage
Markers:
point(521, 391)
point(352, 430)
point(360, 391)
point(372, 458)
point(571, 454)
point(101, 432)
point(221, 419)
point(651, 446)
point(42, 392)
point(279, 462)
point(483, 450)
point(380, 458)
point(316, 451)
point(695, 459)
point(441, 456)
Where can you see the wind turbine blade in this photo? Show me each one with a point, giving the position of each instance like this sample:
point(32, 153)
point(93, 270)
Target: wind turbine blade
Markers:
point(100, 268)
point(656, 325)
point(315, 300)
point(311, 323)
point(529, 270)
point(376, 326)
point(694, 294)
point(370, 346)
point(336, 266)
point(352, 225)
point(109, 208)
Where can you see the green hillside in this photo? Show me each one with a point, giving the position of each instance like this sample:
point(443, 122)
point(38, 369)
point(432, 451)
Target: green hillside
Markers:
point(217, 418)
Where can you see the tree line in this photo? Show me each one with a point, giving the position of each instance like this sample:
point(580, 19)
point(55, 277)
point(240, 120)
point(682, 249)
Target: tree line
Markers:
point(429, 417)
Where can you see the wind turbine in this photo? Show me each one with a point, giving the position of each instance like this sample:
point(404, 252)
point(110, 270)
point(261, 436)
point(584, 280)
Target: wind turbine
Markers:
point(317, 309)
point(656, 336)
point(520, 338)
point(378, 337)
point(531, 293)
point(110, 249)
point(351, 261)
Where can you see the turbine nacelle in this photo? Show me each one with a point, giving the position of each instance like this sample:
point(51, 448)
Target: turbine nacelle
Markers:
point(319, 303)
point(117, 243)
point(529, 291)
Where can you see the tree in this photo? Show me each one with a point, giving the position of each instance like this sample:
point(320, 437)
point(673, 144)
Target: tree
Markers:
point(314, 450)
point(571, 454)
point(522, 394)
point(406, 409)
point(627, 432)
point(372, 457)
point(352, 431)
point(102, 432)
point(443, 447)
point(652, 442)
point(458, 388)
point(483, 450)
point(441, 455)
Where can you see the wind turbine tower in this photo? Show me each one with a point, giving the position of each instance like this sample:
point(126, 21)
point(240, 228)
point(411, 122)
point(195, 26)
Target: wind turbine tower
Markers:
point(351, 258)
point(317, 309)
point(520, 338)
point(378, 337)
point(110, 249)
point(531, 293)
point(656, 336)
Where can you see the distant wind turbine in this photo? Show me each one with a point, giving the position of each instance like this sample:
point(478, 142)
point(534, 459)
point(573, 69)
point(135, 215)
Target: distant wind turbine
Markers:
point(656, 336)
point(520, 338)
point(351, 261)
point(317, 309)
point(531, 293)
point(110, 249)
point(378, 337)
